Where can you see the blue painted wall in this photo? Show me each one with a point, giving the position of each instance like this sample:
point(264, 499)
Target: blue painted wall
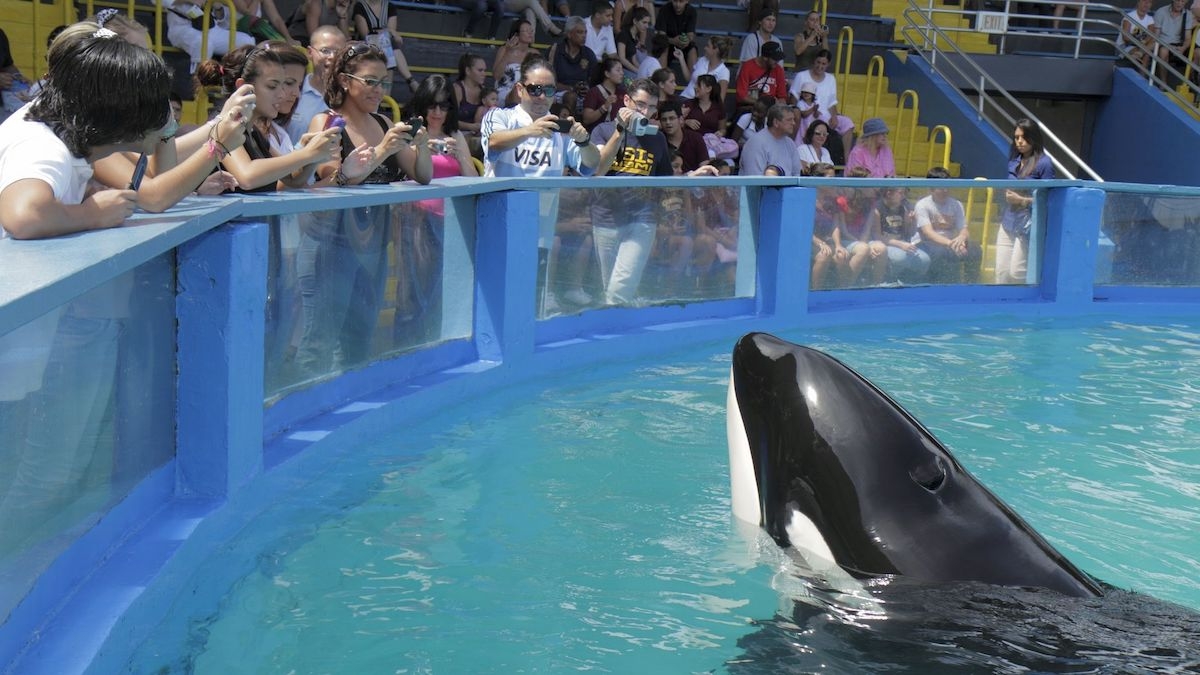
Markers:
point(1142, 137)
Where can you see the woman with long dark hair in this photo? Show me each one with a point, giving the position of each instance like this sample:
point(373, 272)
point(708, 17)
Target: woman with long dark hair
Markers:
point(705, 114)
point(1027, 160)
point(468, 91)
point(418, 238)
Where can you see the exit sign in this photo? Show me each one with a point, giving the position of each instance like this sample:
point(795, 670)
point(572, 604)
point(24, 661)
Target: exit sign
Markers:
point(991, 22)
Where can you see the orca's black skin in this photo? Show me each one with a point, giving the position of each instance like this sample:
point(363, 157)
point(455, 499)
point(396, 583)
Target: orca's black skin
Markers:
point(887, 497)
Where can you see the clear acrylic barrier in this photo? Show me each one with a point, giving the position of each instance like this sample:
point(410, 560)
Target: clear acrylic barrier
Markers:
point(1149, 239)
point(883, 235)
point(87, 410)
point(633, 247)
point(352, 286)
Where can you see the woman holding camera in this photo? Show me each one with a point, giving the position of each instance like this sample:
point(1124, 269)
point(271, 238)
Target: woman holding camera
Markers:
point(811, 39)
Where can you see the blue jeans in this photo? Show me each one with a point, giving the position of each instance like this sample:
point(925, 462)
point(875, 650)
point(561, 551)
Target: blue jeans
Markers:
point(623, 251)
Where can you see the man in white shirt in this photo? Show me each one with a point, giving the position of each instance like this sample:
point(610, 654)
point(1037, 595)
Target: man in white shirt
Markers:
point(600, 37)
point(525, 140)
point(942, 233)
point(324, 44)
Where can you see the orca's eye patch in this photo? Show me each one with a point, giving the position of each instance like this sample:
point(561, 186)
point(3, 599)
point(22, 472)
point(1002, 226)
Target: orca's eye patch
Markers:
point(930, 476)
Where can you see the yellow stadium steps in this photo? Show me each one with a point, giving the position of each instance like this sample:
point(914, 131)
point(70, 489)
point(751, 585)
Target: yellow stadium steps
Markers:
point(970, 41)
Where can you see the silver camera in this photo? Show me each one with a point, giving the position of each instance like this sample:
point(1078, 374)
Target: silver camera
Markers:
point(641, 125)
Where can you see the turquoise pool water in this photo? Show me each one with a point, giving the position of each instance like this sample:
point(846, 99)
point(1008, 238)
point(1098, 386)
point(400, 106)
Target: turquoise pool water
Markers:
point(585, 525)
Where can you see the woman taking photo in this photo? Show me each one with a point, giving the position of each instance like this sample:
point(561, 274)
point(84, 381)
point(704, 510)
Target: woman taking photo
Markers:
point(354, 89)
point(266, 161)
point(418, 238)
point(341, 263)
point(811, 39)
point(1027, 160)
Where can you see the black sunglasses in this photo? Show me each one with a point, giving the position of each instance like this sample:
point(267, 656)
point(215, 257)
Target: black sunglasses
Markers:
point(538, 89)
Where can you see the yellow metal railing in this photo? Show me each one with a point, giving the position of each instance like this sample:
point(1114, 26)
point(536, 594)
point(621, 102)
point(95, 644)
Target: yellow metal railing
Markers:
point(821, 7)
point(205, 24)
point(874, 79)
point(985, 236)
point(391, 103)
point(933, 134)
point(841, 67)
point(907, 133)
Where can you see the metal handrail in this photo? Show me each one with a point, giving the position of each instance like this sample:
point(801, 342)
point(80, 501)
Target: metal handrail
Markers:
point(205, 24)
point(821, 7)
point(969, 71)
point(933, 134)
point(1091, 26)
point(906, 95)
point(874, 78)
point(984, 238)
point(391, 103)
point(845, 44)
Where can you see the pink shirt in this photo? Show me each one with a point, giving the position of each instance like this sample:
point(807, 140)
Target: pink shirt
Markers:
point(881, 164)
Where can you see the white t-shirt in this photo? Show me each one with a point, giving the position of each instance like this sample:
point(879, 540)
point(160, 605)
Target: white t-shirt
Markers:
point(752, 46)
point(31, 150)
point(533, 157)
point(1140, 25)
point(721, 72)
point(809, 157)
point(826, 89)
point(951, 209)
point(601, 41)
point(647, 67)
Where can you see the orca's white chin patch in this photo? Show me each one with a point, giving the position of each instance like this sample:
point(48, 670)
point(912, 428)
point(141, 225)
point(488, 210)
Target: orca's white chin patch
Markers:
point(743, 483)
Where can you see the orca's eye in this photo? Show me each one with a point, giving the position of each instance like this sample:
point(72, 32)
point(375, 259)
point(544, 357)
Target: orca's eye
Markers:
point(930, 476)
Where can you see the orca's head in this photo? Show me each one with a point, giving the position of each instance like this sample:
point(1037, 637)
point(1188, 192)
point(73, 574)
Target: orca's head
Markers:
point(828, 463)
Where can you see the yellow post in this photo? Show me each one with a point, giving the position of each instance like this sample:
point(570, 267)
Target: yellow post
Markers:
point(873, 77)
point(205, 24)
point(911, 129)
point(845, 45)
point(985, 236)
point(394, 106)
point(933, 134)
point(821, 7)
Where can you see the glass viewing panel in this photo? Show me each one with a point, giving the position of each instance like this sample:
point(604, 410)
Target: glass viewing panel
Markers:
point(351, 286)
point(1149, 240)
point(867, 237)
point(642, 246)
point(87, 410)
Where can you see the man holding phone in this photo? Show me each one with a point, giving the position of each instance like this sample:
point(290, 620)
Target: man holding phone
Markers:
point(527, 141)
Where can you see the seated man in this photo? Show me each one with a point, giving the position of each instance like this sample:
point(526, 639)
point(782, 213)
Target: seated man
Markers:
point(1136, 38)
point(762, 76)
point(573, 63)
point(1175, 24)
point(942, 228)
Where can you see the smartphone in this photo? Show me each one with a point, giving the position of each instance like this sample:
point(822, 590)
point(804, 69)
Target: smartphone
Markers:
point(139, 172)
point(416, 124)
point(335, 120)
point(565, 126)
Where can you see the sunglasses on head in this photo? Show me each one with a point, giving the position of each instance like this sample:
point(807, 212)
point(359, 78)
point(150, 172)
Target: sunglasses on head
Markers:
point(538, 89)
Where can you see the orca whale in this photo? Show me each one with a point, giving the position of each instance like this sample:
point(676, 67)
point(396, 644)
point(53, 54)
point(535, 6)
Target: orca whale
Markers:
point(833, 468)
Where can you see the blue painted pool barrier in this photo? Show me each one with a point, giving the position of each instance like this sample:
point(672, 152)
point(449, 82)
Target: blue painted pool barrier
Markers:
point(223, 428)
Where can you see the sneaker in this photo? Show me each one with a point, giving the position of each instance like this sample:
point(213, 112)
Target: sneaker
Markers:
point(550, 306)
point(577, 296)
